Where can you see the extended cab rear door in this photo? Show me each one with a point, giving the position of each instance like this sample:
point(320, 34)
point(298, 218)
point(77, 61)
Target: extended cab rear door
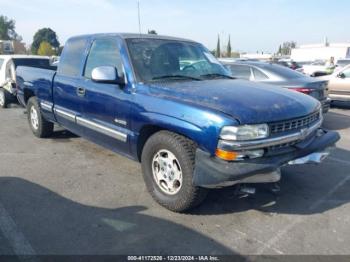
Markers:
point(67, 100)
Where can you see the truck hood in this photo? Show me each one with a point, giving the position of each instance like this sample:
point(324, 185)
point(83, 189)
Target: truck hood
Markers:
point(248, 102)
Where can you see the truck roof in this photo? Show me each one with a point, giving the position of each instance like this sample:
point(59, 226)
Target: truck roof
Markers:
point(133, 35)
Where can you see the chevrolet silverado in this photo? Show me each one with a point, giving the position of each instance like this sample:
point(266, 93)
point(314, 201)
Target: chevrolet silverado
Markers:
point(169, 104)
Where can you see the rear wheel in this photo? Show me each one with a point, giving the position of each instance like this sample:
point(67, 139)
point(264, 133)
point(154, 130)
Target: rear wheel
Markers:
point(40, 127)
point(168, 165)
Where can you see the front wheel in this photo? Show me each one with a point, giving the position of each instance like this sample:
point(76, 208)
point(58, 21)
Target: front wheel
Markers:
point(40, 126)
point(168, 166)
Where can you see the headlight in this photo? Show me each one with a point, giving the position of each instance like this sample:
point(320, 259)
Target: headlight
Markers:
point(245, 132)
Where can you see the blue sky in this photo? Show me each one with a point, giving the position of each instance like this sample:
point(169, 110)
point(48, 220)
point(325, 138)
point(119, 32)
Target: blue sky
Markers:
point(253, 24)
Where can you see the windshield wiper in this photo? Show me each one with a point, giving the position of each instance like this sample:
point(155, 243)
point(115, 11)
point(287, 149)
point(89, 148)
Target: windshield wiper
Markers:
point(176, 76)
point(217, 76)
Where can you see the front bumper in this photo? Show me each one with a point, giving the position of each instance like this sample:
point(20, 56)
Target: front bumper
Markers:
point(211, 171)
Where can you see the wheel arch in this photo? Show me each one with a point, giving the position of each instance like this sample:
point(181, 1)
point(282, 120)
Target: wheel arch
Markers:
point(27, 94)
point(196, 134)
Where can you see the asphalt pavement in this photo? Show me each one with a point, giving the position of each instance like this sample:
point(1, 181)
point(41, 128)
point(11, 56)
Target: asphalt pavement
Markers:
point(65, 195)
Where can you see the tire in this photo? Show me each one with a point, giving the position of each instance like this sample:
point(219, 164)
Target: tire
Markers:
point(40, 127)
point(166, 146)
point(4, 98)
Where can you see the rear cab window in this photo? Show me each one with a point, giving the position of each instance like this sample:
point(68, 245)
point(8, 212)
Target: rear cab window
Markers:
point(72, 58)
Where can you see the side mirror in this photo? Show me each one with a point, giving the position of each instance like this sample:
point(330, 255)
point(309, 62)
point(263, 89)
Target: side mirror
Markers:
point(341, 75)
point(106, 74)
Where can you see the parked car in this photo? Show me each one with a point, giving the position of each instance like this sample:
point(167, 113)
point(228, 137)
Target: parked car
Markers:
point(342, 63)
point(288, 63)
point(339, 84)
point(317, 68)
point(281, 76)
point(192, 128)
point(8, 65)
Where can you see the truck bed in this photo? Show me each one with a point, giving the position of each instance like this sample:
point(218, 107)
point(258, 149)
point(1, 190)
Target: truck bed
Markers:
point(37, 80)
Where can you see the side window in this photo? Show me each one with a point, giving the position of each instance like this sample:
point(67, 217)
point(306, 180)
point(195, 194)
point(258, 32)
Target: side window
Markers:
point(71, 60)
point(241, 71)
point(258, 75)
point(103, 52)
point(347, 73)
point(1, 62)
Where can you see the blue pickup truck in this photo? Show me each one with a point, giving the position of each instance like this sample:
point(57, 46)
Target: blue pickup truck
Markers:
point(169, 104)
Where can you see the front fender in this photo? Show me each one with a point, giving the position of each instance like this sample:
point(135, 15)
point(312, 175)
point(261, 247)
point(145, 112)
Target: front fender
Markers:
point(205, 135)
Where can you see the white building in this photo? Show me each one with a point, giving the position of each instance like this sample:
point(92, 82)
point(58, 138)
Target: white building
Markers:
point(321, 51)
point(8, 47)
point(258, 56)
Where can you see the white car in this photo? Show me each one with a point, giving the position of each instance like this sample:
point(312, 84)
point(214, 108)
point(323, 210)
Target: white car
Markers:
point(317, 68)
point(8, 65)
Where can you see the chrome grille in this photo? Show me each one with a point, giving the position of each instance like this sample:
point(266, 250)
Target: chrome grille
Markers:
point(293, 124)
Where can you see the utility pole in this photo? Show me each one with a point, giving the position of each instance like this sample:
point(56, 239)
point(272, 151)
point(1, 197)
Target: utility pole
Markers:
point(139, 15)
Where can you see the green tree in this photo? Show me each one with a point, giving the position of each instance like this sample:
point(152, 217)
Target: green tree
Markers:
point(152, 32)
point(7, 29)
point(286, 48)
point(47, 35)
point(229, 51)
point(46, 49)
point(279, 52)
point(218, 50)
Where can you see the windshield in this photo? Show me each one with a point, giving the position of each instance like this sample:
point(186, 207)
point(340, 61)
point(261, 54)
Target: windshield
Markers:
point(155, 59)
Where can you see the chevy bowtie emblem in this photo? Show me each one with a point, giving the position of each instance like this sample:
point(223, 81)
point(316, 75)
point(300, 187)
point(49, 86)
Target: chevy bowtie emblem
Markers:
point(303, 132)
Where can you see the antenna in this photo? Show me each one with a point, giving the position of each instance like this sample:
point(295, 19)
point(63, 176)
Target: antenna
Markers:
point(139, 16)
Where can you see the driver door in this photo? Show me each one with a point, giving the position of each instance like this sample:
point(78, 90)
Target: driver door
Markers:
point(106, 106)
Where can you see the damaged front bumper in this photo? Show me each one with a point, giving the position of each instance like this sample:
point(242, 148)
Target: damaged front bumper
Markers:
point(213, 172)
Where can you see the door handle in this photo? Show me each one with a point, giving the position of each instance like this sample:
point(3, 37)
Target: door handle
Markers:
point(81, 91)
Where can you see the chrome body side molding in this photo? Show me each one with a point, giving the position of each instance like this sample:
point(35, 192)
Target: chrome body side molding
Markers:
point(46, 106)
point(65, 114)
point(101, 129)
